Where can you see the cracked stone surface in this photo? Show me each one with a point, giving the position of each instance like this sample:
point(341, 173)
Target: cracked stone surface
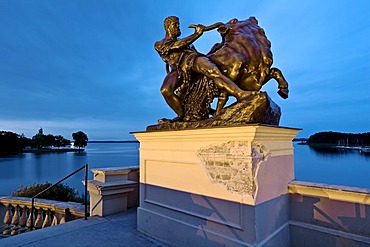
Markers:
point(234, 165)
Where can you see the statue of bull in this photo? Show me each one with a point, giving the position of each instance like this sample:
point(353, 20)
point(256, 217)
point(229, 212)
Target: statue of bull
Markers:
point(245, 56)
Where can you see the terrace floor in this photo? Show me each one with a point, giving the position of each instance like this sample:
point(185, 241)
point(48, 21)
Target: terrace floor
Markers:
point(114, 230)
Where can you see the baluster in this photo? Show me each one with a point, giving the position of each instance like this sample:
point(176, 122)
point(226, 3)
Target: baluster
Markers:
point(23, 220)
point(62, 220)
point(39, 219)
point(55, 220)
point(15, 221)
point(47, 221)
point(8, 219)
point(30, 216)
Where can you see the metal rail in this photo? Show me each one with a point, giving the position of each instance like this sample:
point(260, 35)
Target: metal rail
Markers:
point(51, 186)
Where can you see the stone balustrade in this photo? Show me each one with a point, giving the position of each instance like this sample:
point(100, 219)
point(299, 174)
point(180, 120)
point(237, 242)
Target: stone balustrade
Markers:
point(112, 190)
point(17, 214)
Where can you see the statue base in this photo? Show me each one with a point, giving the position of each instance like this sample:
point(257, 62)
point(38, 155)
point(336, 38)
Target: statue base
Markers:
point(257, 108)
point(216, 186)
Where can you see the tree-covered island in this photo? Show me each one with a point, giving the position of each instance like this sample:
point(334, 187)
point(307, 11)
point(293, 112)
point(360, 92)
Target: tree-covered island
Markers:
point(334, 139)
point(12, 143)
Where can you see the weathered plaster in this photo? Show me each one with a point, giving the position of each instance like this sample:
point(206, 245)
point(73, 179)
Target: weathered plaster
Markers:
point(234, 165)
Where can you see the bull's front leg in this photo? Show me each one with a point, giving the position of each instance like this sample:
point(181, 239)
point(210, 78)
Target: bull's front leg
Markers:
point(283, 84)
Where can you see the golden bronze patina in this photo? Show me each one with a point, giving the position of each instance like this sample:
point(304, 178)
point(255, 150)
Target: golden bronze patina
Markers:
point(238, 66)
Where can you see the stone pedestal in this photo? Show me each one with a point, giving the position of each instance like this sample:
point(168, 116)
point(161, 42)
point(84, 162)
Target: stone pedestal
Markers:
point(113, 190)
point(216, 186)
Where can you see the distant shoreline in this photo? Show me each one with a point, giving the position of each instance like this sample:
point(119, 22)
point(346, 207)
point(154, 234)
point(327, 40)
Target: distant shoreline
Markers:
point(130, 141)
point(300, 139)
point(52, 150)
point(65, 150)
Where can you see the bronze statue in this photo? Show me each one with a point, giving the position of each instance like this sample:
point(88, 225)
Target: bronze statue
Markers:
point(238, 66)
point(183, 59)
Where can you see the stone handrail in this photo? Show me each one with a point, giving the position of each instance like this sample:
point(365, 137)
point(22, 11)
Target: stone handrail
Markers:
point(17, 213)
point(332, 192)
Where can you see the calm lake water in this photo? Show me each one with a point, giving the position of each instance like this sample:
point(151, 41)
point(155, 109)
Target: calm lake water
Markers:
point(344, 168)
point(341, 167)
point(29, 168)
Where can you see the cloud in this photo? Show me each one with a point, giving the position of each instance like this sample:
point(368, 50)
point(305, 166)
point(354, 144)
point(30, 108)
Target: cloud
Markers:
point(96, 129)
point(70, 65)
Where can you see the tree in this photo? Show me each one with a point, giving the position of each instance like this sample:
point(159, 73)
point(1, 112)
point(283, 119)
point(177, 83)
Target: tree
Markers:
point(61, 192)
point(10, 143)
point(60, 141)
point(336, 138)
point(25, 142)
point(80, 139)
point(49, 140)
point(39, 139)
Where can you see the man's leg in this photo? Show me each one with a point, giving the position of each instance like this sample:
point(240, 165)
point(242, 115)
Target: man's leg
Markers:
point(222, 99)
point(204, 66)
point(170, 83)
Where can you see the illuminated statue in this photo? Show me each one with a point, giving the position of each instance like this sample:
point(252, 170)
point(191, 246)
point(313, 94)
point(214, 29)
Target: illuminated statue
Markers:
point(238, 66)
point(183, 59)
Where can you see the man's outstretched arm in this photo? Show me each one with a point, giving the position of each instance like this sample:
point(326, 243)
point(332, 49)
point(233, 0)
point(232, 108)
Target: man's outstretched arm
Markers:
point(184, 42)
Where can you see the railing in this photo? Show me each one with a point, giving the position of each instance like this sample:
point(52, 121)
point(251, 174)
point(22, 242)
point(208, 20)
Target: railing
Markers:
point(55, 212)
point(51, 186)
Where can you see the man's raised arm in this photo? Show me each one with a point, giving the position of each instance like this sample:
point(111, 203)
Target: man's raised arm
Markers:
point(181, 43)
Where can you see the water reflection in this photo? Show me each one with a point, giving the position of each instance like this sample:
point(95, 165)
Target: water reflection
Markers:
point(331, 166)
point(325, 150)
point(342, 167)
point(30, 168)
point(333, 151)
point(11, 157)
point(83, 153)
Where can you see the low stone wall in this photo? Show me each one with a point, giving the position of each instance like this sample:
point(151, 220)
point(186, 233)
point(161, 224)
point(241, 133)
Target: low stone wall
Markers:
point(329, 215)
point(113, 190)
point(15, 213)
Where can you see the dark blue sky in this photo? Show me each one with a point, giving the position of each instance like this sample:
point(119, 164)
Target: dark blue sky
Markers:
point(90, 65)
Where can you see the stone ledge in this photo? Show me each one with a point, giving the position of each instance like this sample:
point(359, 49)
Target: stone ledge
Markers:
point(114, 170)
point(115, 187)
point(73, 207)
point(111, 174)
point(333, 192)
